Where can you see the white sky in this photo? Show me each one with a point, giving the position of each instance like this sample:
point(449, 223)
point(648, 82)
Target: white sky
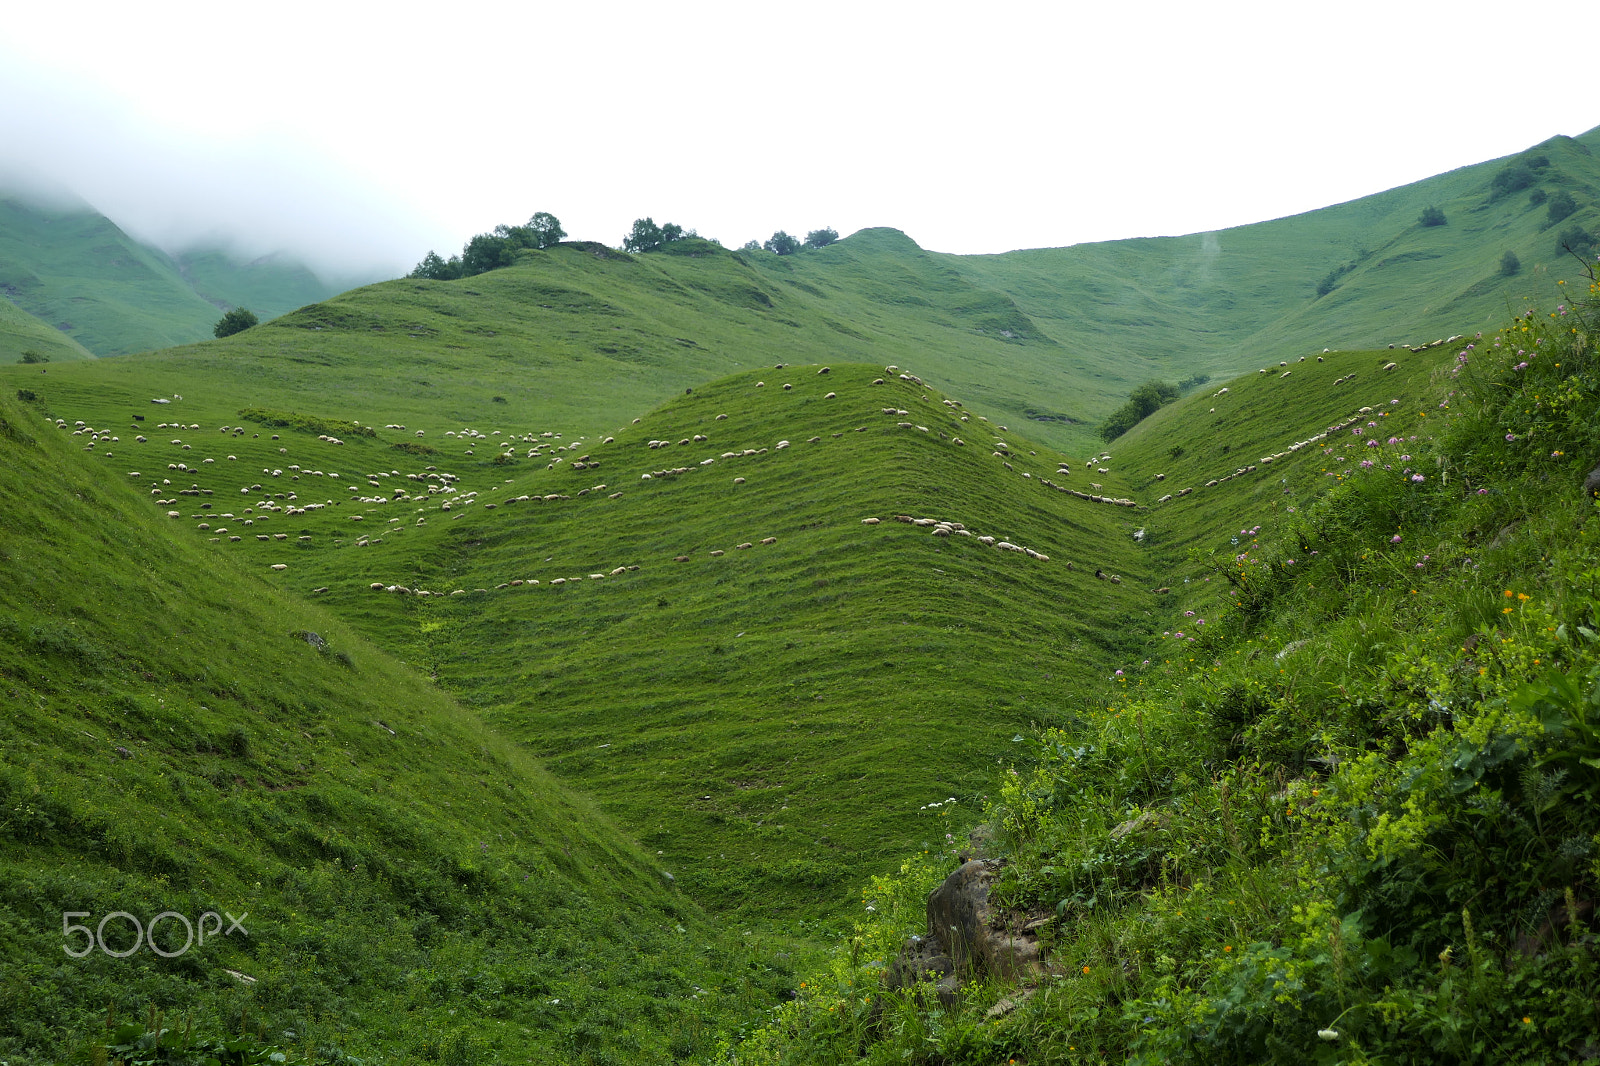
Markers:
point(360, 135)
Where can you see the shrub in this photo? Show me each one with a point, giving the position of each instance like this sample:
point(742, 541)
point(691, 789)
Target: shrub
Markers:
point(1575, 240)
point(236, 321)
point(1511, 178)
point(333, 427)
point(1142, 402)
point(1193, 382)
point(31, 356)
point(821, 238)
point(1510, 265)
point(1537, 197)
point(780, 243)
point(1560, 205)
point(1431, 216)
point(27, 395)
point(646, 236)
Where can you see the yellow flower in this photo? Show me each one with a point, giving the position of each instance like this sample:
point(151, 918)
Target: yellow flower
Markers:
point(1086, 969)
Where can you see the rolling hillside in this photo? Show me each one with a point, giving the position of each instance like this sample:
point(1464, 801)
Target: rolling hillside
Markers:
point(101, 292)
point(579, 337)
point(181, 736)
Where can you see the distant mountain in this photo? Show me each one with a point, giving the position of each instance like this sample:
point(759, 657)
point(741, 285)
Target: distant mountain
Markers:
point(93, 290)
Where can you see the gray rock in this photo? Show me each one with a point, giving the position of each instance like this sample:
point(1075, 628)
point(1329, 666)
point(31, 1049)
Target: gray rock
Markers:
point(1591, 484)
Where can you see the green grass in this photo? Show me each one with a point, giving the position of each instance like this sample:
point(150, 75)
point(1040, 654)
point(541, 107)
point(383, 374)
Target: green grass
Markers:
point(80, 277)
point(1344, 813)
point(180, 735)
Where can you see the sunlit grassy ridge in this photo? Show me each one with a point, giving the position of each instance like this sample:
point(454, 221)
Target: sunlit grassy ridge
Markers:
point(181, 736)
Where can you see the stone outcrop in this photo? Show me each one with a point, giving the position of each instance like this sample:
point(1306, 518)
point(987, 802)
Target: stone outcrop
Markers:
point(969, 937)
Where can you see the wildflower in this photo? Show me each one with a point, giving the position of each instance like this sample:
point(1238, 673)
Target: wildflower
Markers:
point(1511, 436)
point(1509, 594)
point(1556, 455)
point(1366, 463)
point(1119, 673)
point(1328, 1034)
point(1188, 614)
point(1526, 1020)
point(1417, 477)
point(1483, 492)
point(1086, 970)
point(1227, 947)
point(1393, 402)
point(1395, 539)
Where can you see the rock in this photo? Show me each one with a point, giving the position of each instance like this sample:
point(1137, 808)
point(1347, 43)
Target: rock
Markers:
point(1591, 484)
point(971, 934)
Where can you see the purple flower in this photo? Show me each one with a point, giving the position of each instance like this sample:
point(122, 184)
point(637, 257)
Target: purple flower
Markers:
point(1511, 436)
point(1372, 444)
point(1119, 672)
point(1419, 566)
point(1418, 477)
point(1395, 539)
point(1483, 492)
point(1288, 562)
point(1394, 440)
point(1405, 458)
point(1366, 464)
point(1188, 614)
point(1521, 366)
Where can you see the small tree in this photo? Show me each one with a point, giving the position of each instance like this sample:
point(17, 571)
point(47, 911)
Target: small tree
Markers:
point(31, 356)
point(1142, 402)
point(1537, 197)
point(236, 321)
point(487, 252)
point(1509, 179)
point(545, 229)
point(1431, 216)
point(1560, 205)
point(646, 236)
point(780, 243)
point(434, 268)
point(750, 246)
point(1510, 265)
point(821, 238)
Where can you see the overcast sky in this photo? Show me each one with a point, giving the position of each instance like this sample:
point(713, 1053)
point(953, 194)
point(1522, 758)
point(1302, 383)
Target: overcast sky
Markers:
point(361, 135)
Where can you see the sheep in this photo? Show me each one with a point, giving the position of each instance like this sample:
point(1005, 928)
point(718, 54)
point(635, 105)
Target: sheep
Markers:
point(864, 521)
point(877, 381)
point(786, 388)
point(719, 418)
point(738, 481)
point(680, 559)
point(280, 566)
point(830, 396)
point(1390, 366)
point(824, 370)
point(743, 546)
point(716, 552)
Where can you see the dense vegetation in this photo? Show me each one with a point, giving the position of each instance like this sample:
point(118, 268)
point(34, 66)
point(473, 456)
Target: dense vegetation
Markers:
point(1345, 811)
point(491, 251)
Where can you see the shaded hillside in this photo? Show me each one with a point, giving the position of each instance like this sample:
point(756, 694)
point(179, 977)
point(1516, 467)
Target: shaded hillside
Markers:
point(180, 736)
point(77, 273)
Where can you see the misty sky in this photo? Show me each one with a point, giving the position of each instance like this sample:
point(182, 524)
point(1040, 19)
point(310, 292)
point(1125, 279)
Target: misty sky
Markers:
point(361, 135)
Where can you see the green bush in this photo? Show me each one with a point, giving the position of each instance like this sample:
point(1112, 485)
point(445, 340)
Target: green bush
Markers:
point(1509, 179)
point(1510, 265)
point(1142, 402)
point(1575, 240)
point(1560, 205)
point(31, 356)
point(333, 427)
point(1431, 216)
point(236, 321)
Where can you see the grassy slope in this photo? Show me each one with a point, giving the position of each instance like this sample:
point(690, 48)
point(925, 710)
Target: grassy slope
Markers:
point(1350, 820)
point(20, 332)
point(76, 272)
point(1226, 302)
point(818, 690)
point(415, 882)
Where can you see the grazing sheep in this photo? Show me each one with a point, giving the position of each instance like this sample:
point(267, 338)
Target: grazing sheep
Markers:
point(824, 370)
point(716, 552)
point(786, 388)
point(738, 481)
point(743, 546)
point(864, 521)
point(280, 566)
point(877, 381)
point(769, 540)
point(830, 396)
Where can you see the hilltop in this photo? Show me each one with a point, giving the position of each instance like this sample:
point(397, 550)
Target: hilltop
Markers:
point(90, 289)
point(579, 336)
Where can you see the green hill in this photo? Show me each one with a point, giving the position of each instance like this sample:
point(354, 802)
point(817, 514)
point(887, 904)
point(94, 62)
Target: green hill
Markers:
point(1343, 812)
point(181, 736)
point(580, 337)
point(77, 274)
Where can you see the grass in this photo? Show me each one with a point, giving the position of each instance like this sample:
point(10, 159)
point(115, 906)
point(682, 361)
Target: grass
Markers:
point(180, 735)
point(79, 277)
